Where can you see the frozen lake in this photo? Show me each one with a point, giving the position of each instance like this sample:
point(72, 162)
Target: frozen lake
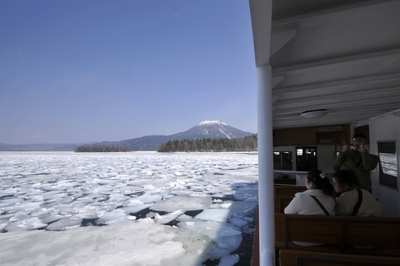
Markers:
point(139, 208)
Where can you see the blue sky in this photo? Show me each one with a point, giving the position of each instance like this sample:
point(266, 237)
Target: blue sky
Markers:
point(82, 71)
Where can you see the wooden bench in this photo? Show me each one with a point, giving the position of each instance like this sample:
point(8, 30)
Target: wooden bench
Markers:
point(289, 257)
point(285, 181)
point(284, 195)
point(279, 239)
point(374, 236)
point(281, 202)
point(279, 232)
point(343, 234)
point(282, 190)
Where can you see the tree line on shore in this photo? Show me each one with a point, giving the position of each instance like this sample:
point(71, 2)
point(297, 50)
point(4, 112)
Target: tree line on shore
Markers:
point(248, 143)
point(101, 148)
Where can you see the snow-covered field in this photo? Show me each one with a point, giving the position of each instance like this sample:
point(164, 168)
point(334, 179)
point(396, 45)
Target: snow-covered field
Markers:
point(140, 208)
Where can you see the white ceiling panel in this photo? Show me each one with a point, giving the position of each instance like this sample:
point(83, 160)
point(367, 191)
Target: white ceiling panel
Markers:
point(343, 56)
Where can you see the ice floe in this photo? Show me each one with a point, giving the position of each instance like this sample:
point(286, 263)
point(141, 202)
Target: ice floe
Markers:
point(141, 208)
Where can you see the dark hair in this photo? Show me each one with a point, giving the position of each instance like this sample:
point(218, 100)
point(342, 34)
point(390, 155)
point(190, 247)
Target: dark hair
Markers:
point(320, 181)
point(359, 136)
point(345, 176)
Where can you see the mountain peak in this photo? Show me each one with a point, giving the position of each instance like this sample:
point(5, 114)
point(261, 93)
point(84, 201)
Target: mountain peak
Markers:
point(211, 122)
point(206, 129)
point(211, 129)
point(214, 129)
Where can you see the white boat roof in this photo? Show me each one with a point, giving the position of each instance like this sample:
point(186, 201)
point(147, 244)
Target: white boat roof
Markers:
point(339, 55)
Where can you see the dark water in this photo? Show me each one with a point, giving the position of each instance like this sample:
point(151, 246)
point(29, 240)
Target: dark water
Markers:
point(246, 247)
point(244, 251)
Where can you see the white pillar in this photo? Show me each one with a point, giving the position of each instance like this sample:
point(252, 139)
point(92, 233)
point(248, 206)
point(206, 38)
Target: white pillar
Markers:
point(265, 167)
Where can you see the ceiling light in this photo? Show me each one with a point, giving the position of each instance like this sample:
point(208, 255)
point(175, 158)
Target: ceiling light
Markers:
point(314, 113)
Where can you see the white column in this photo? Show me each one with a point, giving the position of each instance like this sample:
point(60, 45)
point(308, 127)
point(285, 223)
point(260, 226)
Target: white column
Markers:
point(265, 167)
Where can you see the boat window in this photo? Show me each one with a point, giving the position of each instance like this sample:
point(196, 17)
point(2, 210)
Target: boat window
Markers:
point(306, 158)
point(388, 167)
point(283, 160)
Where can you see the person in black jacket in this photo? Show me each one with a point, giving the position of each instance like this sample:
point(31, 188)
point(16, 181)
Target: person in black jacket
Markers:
point(359, 160)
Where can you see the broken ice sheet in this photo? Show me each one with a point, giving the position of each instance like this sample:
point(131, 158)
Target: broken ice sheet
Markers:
point(106, 189)
point(183, 202)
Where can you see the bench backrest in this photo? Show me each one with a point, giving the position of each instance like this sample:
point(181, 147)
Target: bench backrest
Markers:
point(289, 257)
point(281, 202)
point(287, 181)
point(279, 230)
point(288, 190)
point(341, 232)
point(344, 233)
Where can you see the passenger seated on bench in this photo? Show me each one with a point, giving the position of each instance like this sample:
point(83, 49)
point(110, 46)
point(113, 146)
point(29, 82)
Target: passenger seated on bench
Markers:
point(317, 199)
point(353, 201)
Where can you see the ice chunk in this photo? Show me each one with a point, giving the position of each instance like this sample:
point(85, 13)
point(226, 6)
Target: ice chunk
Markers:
point(148, 198)
point(65, 209)
point(184, 218)
point(65, 223)
point(226, 237)
point(114, 216)
point(141, 242)
point(80, 203)
point(66, 200)
point(237, 221)
point(23, 206)
point(183, 202)
point(53, 195)
point(50, 217)
point(118, 197)
point(218, 195)
point(229, 260)
point(2, 224)
point(248, 192)
point(164, 219)
point(226, 205)
point(211, 229)
point(22, 221)
point(97, 197)
point(136, 208)
point(9, 192)
point(106, 182)
point(149, 187)
point(86, 212)
point(107, 188)
point(32, 223)
point(10, 202)
point(218, 215)
point(19, 216)
point(243, 208)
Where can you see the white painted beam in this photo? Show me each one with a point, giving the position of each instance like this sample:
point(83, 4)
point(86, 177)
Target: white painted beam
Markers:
point(279, 39)
point(336, 83)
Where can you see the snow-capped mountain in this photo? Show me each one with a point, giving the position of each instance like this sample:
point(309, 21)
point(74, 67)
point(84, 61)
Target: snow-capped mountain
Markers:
point(213, 129)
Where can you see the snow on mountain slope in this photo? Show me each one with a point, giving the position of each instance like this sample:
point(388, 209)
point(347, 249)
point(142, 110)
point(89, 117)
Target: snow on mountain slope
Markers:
point(213, 129)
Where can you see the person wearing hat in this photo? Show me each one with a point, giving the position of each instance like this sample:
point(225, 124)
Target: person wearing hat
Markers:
point(359, 160)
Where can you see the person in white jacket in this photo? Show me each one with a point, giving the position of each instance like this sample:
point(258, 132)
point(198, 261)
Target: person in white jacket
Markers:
point(317, 199)
point(353, 201)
